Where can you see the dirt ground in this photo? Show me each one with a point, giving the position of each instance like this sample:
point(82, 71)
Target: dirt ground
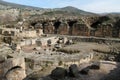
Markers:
point(88, 47)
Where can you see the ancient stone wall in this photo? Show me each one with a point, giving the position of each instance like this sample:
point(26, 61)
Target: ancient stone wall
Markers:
point(93, 39)
point(45, 41)
point(85, 59)
point(35, 64)
point(80, 29)
point(30, 34)
point(63, 29)
point(102, 26)
point(28, 42)
point(9, 31)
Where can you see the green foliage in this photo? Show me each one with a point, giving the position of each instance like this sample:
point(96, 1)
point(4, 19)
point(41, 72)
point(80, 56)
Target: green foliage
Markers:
point(53, 13)
point(60, 63)
point(96, 50)
point(68, 51)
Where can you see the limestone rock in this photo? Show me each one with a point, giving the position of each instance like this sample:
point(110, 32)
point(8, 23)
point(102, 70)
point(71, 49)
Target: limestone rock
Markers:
point(14, 69)
point(16, 74)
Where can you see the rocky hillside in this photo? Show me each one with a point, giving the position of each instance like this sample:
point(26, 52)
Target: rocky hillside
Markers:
point(74, 10)
point(11, 12)
point(5, 5)
point(27, 11)
point(68, 9)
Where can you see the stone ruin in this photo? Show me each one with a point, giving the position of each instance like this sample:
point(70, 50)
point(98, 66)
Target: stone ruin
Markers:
point(12, 34)
point(103, 26)
point(12, 69)
point(71, 73)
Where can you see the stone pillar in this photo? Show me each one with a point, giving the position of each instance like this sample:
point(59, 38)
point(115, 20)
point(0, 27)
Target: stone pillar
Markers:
point(63, 29)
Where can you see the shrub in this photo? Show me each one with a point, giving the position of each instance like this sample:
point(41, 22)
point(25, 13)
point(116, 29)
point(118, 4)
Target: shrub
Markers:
point(60, 63)
point(68, 51)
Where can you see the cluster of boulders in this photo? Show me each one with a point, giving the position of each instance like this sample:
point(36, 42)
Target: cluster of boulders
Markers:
point(61, 73)
point(73, 72)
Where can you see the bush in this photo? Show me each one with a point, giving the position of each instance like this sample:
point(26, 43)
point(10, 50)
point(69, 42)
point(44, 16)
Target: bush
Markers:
point(68, 51)
point(60, 63)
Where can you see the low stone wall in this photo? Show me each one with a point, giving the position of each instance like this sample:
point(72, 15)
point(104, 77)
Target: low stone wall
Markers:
point(93, 39)
point(30, 34)
point(110, 62)
point(44, 41)
point(9, 31)
point(28, 42)
point(85, 59)
point(36, 64)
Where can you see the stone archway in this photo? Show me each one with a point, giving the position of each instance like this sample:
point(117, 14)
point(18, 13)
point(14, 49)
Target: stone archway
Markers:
point(56, 25)
point(71, 23)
